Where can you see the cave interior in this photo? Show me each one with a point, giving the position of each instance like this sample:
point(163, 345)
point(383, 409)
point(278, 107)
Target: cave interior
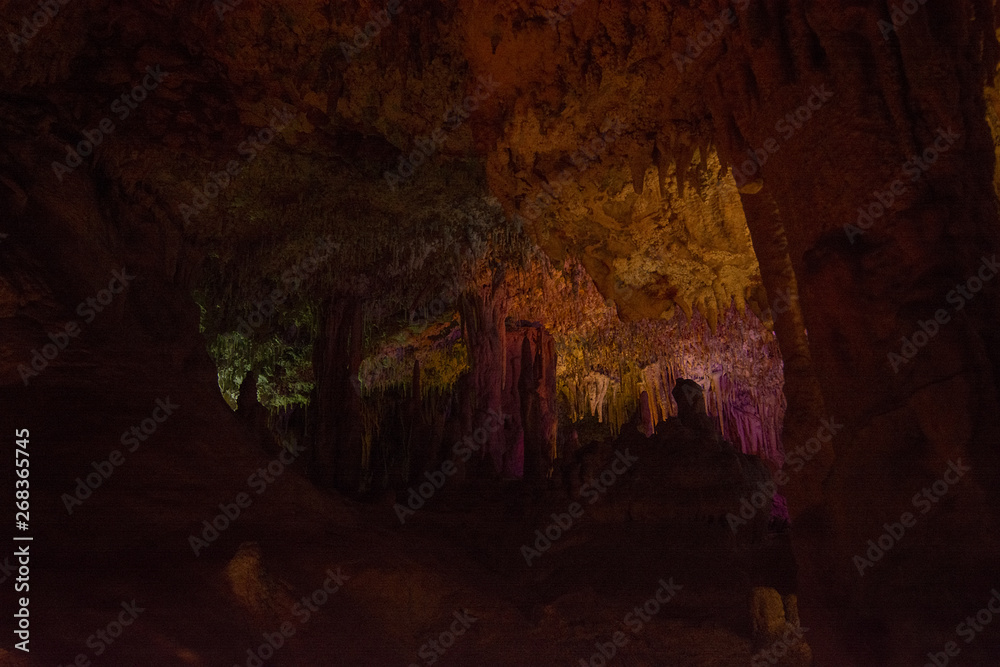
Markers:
point(448, 332)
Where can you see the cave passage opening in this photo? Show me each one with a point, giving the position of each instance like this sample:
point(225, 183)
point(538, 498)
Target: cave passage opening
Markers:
point(467, 337)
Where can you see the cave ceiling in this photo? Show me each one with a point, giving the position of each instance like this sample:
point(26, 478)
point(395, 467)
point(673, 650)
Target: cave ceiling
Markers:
point(585, 101)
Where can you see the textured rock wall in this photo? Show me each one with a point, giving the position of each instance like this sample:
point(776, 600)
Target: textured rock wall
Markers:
point(62, 247)
point(888, 99)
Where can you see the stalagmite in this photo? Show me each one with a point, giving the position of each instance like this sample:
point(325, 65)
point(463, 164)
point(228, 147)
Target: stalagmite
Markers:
point(645, 415)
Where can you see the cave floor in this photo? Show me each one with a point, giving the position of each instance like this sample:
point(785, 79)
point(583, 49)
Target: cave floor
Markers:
point(400, 586)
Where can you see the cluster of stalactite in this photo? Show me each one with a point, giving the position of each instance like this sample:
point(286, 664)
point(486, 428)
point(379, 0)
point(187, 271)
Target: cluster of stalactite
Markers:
point(748, 415)
point(516, 344)
point(604, 364)
point(746, 400)
point(520, 340)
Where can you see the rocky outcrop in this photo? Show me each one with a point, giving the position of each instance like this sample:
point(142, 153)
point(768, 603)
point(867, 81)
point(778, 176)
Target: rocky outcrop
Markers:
point(691, 413)
point(253, 415)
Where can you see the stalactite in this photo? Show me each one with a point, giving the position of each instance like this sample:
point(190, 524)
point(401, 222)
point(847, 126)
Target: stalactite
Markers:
point(604, 364)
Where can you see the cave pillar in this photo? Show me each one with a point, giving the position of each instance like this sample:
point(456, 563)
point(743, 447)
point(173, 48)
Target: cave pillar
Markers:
point(822, 116)
point(483, 311)
point(541, 412)
point(806, 406)
point(530, 400)
point(646, 425)
point(517, 364)
point(336, 459)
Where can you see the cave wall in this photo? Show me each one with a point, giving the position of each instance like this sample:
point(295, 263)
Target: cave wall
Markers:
point(889, 96)
point(88, 256)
